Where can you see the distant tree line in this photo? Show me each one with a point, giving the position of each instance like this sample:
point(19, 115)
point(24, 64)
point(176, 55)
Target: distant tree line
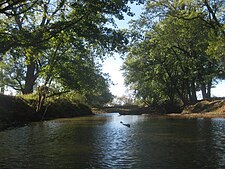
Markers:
point(177, 50)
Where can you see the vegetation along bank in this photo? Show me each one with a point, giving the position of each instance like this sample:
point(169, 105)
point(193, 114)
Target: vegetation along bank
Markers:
point(174, 50)
point(19, 110)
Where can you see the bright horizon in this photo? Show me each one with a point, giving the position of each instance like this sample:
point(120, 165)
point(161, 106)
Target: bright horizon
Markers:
point(112, 65)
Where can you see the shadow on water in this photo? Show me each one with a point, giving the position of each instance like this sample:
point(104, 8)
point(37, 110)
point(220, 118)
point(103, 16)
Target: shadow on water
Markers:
point(101, 141)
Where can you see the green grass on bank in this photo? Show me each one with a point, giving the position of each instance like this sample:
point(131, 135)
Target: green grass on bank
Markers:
point(23, 109)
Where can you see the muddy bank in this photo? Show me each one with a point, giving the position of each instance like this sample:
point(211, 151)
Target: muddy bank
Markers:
point(195, 115)
point(16, 111)
point(203, 109)
point(214, 108)
point(123, 110)
point(136, 110)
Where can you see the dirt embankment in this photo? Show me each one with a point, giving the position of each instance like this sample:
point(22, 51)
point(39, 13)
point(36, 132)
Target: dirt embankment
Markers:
point(130, 110)
point(15, 111)
point(205, 108)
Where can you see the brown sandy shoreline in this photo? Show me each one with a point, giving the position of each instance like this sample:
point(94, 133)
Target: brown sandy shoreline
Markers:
point(214, 108)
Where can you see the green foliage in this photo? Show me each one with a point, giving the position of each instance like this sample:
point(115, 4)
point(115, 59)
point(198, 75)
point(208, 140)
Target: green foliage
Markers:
point(179, 51)
point(52, 97)
point(56, 43)
point(44, 20)
point(72, 96)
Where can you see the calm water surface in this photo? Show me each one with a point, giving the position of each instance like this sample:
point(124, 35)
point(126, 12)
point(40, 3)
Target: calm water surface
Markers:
point(102, 142)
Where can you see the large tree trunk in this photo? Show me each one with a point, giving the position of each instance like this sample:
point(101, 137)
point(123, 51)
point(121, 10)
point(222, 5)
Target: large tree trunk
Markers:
point(209, 87)
point(193, 93)
point(189, 93)
point(30, 78)
point(206, 90)
point(203, 89)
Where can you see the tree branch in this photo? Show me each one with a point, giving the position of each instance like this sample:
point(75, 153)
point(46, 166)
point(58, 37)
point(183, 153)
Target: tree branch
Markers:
point(58, 94)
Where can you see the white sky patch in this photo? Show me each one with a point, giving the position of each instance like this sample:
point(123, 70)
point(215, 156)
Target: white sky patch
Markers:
point(219, 90)
point(112, 65)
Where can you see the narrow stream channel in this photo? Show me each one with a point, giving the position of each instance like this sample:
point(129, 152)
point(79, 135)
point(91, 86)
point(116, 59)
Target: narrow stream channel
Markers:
point(101, 141)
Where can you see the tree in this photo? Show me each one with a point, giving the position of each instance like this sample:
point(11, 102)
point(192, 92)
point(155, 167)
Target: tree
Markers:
point(28, 36)
point(8, 6)
point(210, 12)
point(172, 61)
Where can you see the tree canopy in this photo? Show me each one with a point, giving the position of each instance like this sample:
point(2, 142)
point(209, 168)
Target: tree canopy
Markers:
point(57, 42)
point(179, 52)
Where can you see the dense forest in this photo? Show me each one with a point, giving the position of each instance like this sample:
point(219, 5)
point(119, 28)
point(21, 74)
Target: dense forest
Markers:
point(177, 49)
point(174, 49)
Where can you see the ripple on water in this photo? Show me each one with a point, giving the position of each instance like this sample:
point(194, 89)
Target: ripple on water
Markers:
point(102, 142)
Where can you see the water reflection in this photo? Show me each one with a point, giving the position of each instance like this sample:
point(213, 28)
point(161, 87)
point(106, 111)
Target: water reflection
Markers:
point(114, 143)
point(102, 142)
point(218, 131)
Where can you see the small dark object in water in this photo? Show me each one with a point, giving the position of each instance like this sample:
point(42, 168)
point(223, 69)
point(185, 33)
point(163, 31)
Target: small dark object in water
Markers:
point(128, 125)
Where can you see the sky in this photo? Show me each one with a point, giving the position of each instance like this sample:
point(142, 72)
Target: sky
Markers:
point(112, 65)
